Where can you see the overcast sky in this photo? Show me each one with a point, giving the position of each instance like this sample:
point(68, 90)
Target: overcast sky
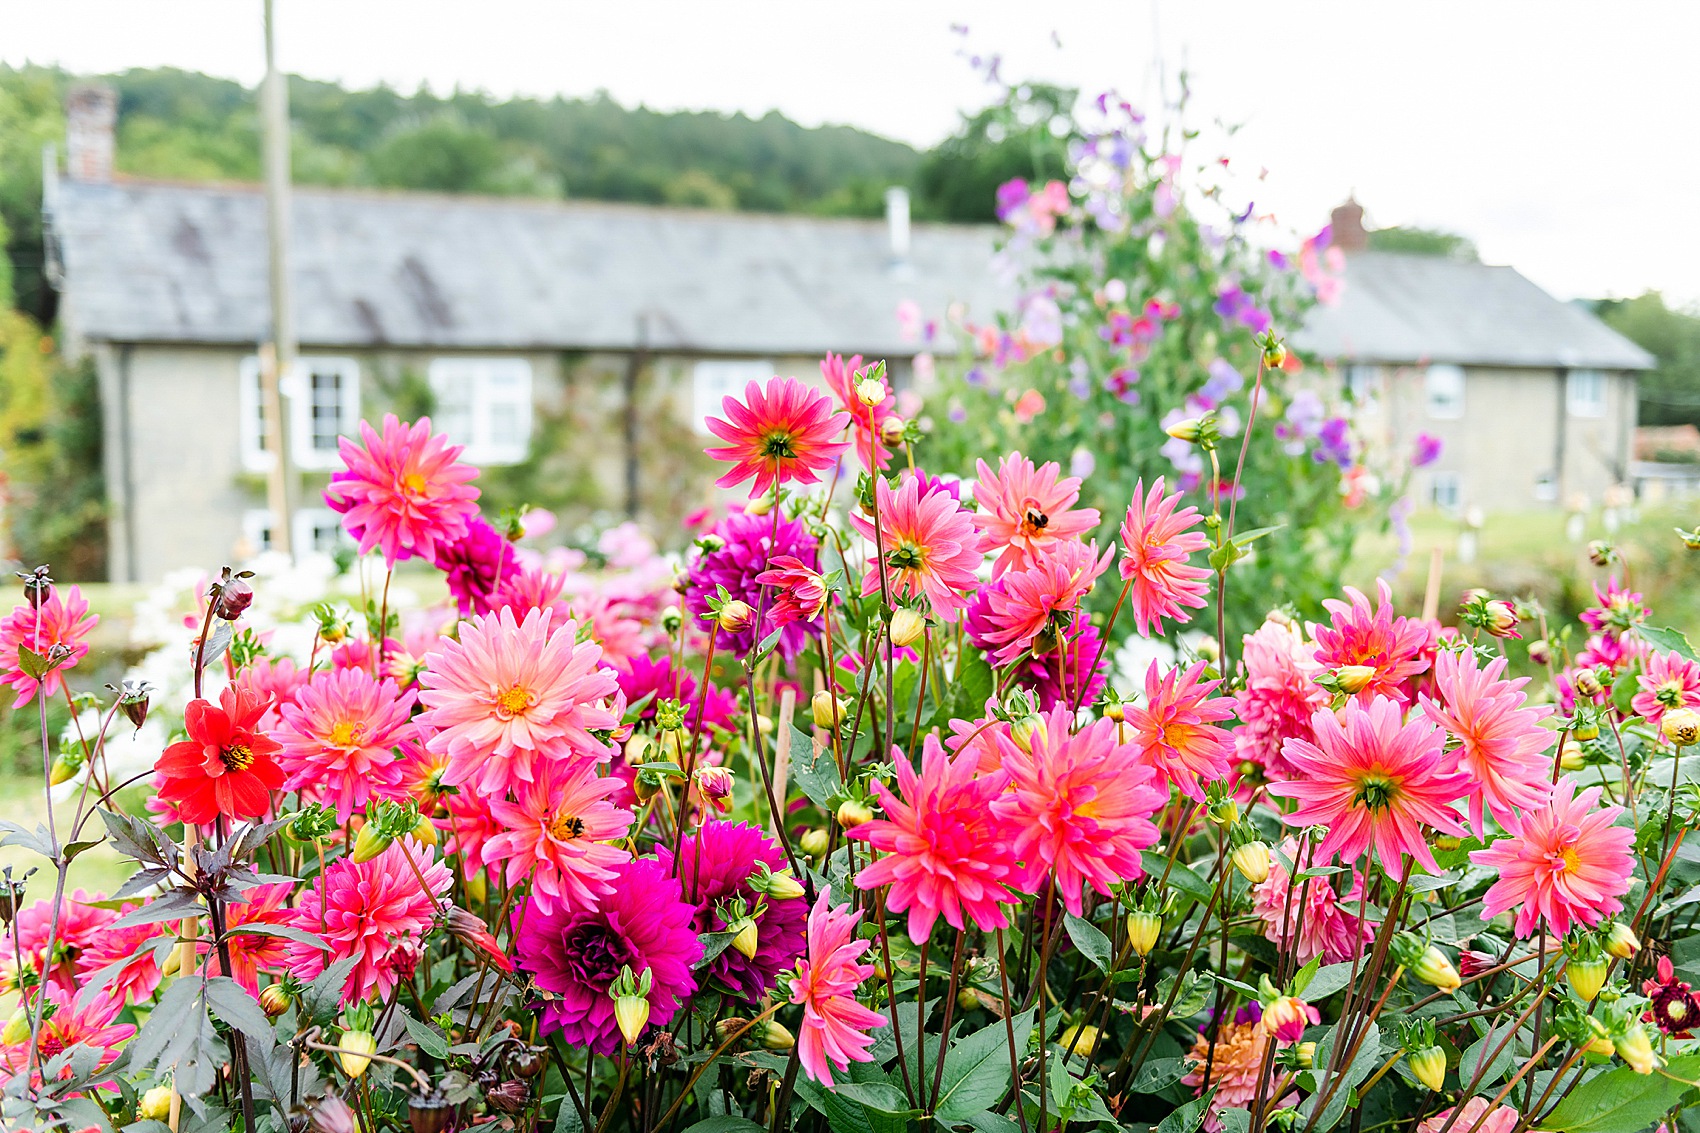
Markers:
point(1559, 136)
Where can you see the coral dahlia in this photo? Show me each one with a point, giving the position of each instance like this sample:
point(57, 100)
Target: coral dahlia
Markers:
point(835, 1026)
point(1026, 511)
point(1562, 863)
point(1500, 741)
point(781, 433)
point(1175, 729)
point(931, 548)
point(340, 738)
point(1157, 542)
point(557, 833)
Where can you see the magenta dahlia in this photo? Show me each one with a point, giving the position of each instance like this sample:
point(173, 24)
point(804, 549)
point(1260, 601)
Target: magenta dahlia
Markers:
point(750, 544)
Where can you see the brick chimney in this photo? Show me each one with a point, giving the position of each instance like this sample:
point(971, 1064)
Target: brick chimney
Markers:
point(91, 115)
point(1346, 225)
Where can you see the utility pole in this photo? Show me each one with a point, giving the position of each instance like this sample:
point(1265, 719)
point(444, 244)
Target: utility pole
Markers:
point(277, 358)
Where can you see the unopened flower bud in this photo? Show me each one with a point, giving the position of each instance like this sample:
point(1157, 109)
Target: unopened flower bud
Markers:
point(736, 616)
point(1586, 728)
point(510, 1096)
point(477, 887)
point(774, 1036)
point(1621, 941)
point(155, 1104)
point(133, 701)
point(814, 842)
point(1114, 711)
point(1252, 860)
point(1353, 679)
point(966, 1000)
point(714, 784)
point(403, 958)
point(355, 1050)
point(1588, 683)
point(891, 430)
point(1636, 1048)
point(1500, 619)
point(631, 1013)
point(1081, 1039)
point(906, 627)
point(672, 619)
point(828, 709)
point(1429, 1066)
point(1601, 553)
point(1143, 929)
point(1195, 430)
point(870, 392)
point(274, 1000)
point(763, 503)
point(1681, 726)
point(38, 586)
point(852, 813)
point(369, 843)
point(780, 886)
point(234, 597)
point(424, 831)
point(1305, 1055)
point(1472, 963)
point(17, 1028)
point(65, 767)
point(1586, 976)
point(1540, 651)
point(1274, 355)
point(746, 938)
point(1434, 969)
point(1286, 1018)
point(1027, 731)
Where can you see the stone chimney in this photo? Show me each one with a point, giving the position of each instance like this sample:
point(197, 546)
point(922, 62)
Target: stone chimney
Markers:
point(1346, 225)
point(91, 116)
point(897, 223)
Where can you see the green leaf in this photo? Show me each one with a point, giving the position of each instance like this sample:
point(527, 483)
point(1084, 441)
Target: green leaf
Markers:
point(881, 1097)
point(287, 932)
point(976, 1070)
point(1306, 974)
point(231, 1002)
point(1091, 941)
point(725, 1123)
point(1182, 876)
point(1186, 1118)
point(75, 848)
point(987, 1122)
point(1158, 1074)
point(1621, 1101)
point(1327, 981)
point(1246, 538)
point(1666, 640)
point(814, 771)
point(1472, 1059)
point(1236, 1120)
point(844, 1115)
point(433, 1043)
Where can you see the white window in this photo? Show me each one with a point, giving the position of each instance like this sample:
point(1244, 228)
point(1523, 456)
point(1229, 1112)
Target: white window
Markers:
point(1585, 393)
point(712, 382)
point(1445, 388)
point(484, 404)
point(1446, 490)
point(324, 405)
point(315, 530)
point(1363, 383)
point(1546, 487)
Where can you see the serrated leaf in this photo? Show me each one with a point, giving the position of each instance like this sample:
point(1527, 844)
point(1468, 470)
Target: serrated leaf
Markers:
point(321, 998)
point(431, 1041)
point(1181, 877)
point(976, 1069)
point(1620, 1100)
point(1090, 939)
point(230, 1002)
point(1666, 640)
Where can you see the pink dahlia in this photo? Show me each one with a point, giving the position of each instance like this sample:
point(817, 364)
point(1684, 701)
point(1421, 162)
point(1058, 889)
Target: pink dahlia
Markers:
point(72, 1022)
point(944, 853)
point(835, 1027)
point(340, 737)
point(1616, 609)
point(715, 871)
point(82, 923)
point(931, 549)
point(749, 546)
point(1027, 511)
point(1279, 696)
point(63, 619)
point(118, 959)
point(1392, 646)
point(1500, 741)
point(1033, 608)
point(477, 565)
point(364, 910)
point(574, 957)
point(534, 588)
point(1667, 681)
point(781, 433)
point(557, 833)
point(1309, 915)
point(842, 377)
point(506, 697)
point(1079, 805)
point(403, 490)
point(1157, 542)
point(799, 591)
point(1479, 1115)
point(1371, 778)
point(252, 953)
point(1563, 862)
point(1175, 729)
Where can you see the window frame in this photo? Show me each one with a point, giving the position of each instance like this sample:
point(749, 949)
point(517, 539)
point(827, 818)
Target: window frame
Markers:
point(1591, 408)
point(730, 375)
point(1365, 375)
point(1456, 480)
point(481, 447)
point(298, 389)
point(1443, 409)
point(258, 522)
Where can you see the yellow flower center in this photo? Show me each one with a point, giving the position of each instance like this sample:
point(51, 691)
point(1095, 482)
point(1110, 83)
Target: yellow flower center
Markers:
point(566, 827)
point(345, 733)
point(1569, 859)
point(414, 483)
point(513, 702)
point(236, 758)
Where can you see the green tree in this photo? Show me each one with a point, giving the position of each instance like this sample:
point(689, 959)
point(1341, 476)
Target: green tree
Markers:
point(1424, 242)
point(1670, 392)
point(959, 179)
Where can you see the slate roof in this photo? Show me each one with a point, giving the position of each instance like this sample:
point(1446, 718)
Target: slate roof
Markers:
point(1401, 308)
point(154, 262)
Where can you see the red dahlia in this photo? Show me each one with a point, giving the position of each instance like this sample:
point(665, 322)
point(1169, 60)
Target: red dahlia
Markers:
point(226, 766)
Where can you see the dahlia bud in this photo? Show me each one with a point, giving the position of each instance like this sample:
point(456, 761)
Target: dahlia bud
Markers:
point(892, 430)
point(1286, 1018)
point(780, 886)
point(1426, 962)
point(1588, 683)
point(369, 843)
point(155, 1104)
point(1305, 1055)
point(1252, 860)
point(17, 1028)
point(736, 616)
point(1429, 1066)
point(631, 1014)
point(1027, 730)
point(1500, 620)
point(1472, 963)
point(828, 709)
point(1540, 651)
point(1081, 1039)
point(235, 595)
point(274, 1000)
point(714, 784)
point(403, 958)
point(1636, 1049)
point(1143, 929)
point(814, 842)
point(671, 619)
point(1115, 712)
point(1202, 431)
point(870, 392)
point(775, 1036)
point(477, 887)
point(424, 831)
point(513, 1095)
point(38, 586)
point(1584, 729)
point(1681, 726)
point(527, 1061)
point(1621, 941)
point(133, 701)
point(746, 937)
point(1586, 976)
point(65, 767)
point(355, 1050)
point(1274, 356)
point(852, 813)
point(906, 627)
point(1347, 679)
point(1601, 553)
point(762, 504)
